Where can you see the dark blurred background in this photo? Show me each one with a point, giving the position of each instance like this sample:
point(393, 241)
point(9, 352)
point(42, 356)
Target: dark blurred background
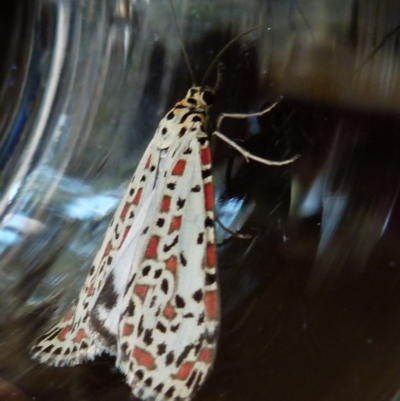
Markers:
point(311, 302)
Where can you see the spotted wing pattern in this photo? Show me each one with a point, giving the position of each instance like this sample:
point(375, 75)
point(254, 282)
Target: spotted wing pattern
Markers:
point(69, 342)
point(151, 297)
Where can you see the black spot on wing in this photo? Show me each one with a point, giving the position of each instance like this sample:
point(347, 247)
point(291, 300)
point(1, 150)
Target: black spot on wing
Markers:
point(202, 140)
point(183, 355)
point(201, 319)
point(180, 203)
point(161, 348)
point(116, 231)
point(175, 328)
point(161, 327)
point(196, 188)
point(139, 374)
point(130, 282)
point(167, 248)
point(179, 302)
point(164, 286)
point(182, 259)
point(200, 238)
point(209, 222)
point(130, 309)
point(140, 328)
point(159, 388)
point(48, 348)
point(146, 270)
point(171, 185)
point(148, 337)
point(169, 358)
point(198, 295)
point(188, 315)
point(191, 379)
point(206, 173)
point(170, 392)
point(210, 279)
point(189, 113)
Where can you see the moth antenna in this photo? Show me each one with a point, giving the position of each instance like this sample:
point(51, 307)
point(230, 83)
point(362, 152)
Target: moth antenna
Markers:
point(225, 48)
point(185, 55)
point(219, 77)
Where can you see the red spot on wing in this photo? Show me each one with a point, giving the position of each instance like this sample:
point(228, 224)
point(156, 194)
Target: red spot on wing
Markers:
point(209, 196)
point(80, 335)
point(165, 204)
point(172, 264)
point(179, 167)
point(151, 251)
point(137, 197)
point(210, 255)
point(127, 329)
point(210, 300)
point(169, 312)
point(144, 358)
point(141, 290)
point(147, 165)
point(184, 371)
point(126, 232)
point(206, 355)
point(90, 290)
point(63, 333)
point(69, 315)
point(205, 156)
point(175, 223)
point(125, 211)
point(108, 249)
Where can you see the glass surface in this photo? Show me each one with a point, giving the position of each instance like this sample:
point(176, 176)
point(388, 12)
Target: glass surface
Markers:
point(311, 302)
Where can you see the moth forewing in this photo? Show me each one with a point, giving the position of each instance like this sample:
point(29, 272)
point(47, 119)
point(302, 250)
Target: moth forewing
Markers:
point(151, 296)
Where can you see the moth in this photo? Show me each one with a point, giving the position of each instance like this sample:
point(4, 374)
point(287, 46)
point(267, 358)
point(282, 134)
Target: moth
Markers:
point(151, 296)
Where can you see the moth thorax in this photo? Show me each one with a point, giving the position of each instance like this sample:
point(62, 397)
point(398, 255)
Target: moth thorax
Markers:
point(200, 97)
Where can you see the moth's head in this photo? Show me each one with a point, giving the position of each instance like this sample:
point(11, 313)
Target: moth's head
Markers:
point(200, 97)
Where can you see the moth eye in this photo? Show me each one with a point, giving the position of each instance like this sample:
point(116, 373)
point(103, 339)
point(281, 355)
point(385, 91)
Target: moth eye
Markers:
point(208, 97)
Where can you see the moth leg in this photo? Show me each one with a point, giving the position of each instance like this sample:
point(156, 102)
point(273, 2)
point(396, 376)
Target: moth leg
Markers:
point(231, 232)
point(246, 154)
